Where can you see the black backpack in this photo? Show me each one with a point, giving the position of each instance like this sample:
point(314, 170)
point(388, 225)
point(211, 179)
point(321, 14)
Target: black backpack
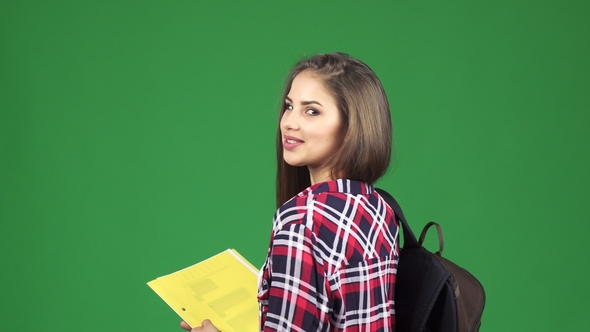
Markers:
point(432, 293)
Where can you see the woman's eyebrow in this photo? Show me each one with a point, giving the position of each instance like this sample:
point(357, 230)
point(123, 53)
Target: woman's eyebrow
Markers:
point(305, 103)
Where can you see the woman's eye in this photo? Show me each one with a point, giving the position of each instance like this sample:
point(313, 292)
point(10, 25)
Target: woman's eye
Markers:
point(288, 107)
point(311, 111)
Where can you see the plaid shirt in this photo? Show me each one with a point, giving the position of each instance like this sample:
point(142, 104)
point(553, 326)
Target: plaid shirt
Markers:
point(332, 262)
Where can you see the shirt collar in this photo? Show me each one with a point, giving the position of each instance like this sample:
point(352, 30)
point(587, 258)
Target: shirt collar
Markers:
point(345, 186)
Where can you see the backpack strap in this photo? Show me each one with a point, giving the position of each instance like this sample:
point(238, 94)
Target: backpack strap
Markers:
point(441, 241)
point(409, 237)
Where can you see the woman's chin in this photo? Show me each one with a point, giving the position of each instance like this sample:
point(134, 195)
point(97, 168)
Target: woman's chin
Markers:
point(293, 162)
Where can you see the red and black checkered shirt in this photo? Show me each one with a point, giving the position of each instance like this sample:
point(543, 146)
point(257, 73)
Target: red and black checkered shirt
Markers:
point(332, 262)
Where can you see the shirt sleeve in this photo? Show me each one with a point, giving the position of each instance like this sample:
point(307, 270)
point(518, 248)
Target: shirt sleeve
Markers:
point(298, 292)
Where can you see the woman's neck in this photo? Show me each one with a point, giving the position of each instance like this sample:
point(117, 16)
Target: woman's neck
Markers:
point(319, 175)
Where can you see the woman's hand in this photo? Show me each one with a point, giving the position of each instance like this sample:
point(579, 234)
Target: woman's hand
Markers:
point(206, 326)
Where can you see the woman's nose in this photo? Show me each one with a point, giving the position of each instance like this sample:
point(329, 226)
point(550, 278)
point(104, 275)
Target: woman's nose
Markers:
point(289, 120)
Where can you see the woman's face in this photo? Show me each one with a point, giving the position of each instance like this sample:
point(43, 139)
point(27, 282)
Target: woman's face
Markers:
point(311, 126)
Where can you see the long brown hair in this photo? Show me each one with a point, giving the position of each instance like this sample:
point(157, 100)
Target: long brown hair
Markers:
point(365, 152)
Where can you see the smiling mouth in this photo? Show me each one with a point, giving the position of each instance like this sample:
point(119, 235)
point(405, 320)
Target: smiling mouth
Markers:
point(291, 143)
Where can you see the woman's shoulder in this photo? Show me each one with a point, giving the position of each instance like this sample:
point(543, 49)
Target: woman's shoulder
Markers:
point(330, 192)
point(326, 200)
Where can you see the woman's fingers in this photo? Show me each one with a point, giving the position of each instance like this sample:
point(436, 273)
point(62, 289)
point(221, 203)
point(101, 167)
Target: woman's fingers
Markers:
point(185, 326)
point(206, 326)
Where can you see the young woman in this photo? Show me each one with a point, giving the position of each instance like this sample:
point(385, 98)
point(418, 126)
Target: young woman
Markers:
point(332, 260)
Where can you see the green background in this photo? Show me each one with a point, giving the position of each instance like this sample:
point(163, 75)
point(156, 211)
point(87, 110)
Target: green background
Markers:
point(137, 138)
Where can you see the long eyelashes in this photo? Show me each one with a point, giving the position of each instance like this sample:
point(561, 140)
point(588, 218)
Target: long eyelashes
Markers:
point(309, 111)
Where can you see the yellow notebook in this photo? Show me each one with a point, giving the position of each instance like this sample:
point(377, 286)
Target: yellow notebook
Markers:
point(222, 288)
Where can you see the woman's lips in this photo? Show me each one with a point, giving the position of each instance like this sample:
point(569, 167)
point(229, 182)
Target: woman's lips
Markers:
point(291, 142)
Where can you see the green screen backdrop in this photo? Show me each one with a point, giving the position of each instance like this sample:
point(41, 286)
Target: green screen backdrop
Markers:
point(137, 138)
